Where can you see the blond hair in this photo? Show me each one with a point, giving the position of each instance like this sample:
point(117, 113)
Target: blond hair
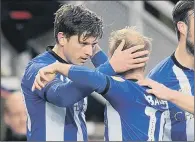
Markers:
point(132, 38)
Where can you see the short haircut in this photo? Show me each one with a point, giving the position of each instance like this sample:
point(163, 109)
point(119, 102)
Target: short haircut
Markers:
point(180, 13)
point(77, 20)
point(132, 38)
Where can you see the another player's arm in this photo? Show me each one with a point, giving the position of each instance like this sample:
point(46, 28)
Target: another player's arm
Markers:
point(88, 79)
point(99, 57)
point(63, 94)
point(56, 91)
point(184, 101)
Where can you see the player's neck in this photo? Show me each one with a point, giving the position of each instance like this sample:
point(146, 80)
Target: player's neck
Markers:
point(59, 52)
point(183, 57)
point(138, 75)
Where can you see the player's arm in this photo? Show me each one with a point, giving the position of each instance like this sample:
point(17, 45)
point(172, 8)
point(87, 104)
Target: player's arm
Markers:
point(184, 101)
point(121, 60)
point(91, 79)
point(56, 92)
point(99, 57)
point(63, 94)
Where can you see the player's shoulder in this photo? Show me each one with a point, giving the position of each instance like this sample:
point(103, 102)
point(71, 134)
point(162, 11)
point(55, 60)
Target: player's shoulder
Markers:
point(36, 64)
point(41, 60)
point(162, 70)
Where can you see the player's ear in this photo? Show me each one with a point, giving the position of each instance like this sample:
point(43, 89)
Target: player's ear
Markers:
point(182, 27)
point(62, 39)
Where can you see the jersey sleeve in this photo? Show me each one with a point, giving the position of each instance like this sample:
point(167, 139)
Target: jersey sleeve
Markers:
point(116, 92)
point(99, 58)
point(56, 92)
point(63, 94)
point(102, 64)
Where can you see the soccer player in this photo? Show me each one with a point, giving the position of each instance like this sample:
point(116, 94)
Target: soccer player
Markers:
point(53, 114)
point(140, 113)
point(182, 100)
point(177, 72)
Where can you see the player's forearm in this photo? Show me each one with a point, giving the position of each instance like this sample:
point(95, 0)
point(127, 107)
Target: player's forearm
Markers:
point(88, 78)
point(107, 69)
point(100, 61)
point(62, 68)
point(185, 102)
point(65, 94)
point(99, 58)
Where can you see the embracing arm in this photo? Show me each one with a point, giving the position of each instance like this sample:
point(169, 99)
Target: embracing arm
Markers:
point(184, 101)
point(92, 79)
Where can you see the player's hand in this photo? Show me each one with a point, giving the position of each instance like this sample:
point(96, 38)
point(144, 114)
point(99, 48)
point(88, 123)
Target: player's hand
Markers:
point(157, 89)
point(45, 75)
point(122, 61)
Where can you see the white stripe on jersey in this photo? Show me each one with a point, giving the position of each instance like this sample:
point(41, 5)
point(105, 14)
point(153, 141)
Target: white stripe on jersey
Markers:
point(84, 109)
point(151, 112)
point(165, 126)
point(55, 122)
point(78, 123)
point(186, 89)
point(114, 124)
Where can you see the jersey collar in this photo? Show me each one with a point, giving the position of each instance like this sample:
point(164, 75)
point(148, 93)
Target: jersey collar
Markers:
point(177, 63)
point(50, 51)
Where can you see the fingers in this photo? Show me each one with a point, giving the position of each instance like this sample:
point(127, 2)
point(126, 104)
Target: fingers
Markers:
point(37, 85)
point(146, 82)
point(33, 87)
point(139, 54)
point(150, 91)
point(39, 81)
point(140, 60)
point(151, 83)
point(43, 76)
point(134, 66)
point(135, 48)
point(121, 45)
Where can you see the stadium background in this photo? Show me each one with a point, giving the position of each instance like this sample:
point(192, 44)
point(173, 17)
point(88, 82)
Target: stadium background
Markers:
point(27, 28)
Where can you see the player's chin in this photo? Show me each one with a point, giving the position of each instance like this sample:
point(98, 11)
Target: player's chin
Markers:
point(80, 63)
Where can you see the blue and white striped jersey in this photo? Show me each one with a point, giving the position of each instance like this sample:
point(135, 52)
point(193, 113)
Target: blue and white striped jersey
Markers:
point(133, 114)
point(179, 124)
point(138, 115)
point(57, 112)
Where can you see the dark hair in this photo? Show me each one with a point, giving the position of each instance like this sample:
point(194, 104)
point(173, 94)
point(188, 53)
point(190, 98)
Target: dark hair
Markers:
point(77, 20)
point(180, 13)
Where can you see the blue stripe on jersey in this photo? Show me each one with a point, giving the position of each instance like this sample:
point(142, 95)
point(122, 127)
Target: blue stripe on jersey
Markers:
point(37, 118)
point(158, 123)
point(70, 129)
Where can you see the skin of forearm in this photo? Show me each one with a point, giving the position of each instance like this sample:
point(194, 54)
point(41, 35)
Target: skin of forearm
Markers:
point(62, 68)
point(184, 101)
